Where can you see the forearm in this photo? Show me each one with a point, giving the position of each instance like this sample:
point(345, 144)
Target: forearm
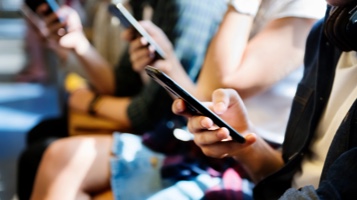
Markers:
point(225, 51)
point(260, 160)
point(270, 56)
point(99, 71)
point(266, 59)
point(102, 106)
point(116, 109)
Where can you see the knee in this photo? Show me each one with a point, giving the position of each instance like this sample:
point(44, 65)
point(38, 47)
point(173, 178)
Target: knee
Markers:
point(69, 152)
point(61, 152)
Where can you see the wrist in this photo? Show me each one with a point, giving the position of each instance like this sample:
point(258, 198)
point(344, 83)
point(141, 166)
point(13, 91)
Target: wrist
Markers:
point(82, 46)
point(93, 104)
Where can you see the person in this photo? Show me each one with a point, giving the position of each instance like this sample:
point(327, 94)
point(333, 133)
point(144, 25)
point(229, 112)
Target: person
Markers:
point(320, 144)
point(272, 31)
point(125, 98)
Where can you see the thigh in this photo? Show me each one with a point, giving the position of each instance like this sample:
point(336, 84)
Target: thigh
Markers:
point(82, 159)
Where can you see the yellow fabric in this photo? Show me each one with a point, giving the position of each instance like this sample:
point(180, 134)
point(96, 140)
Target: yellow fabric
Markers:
point(84, 124)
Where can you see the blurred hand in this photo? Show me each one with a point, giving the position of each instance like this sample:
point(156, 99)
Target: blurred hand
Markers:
point(142, 54)
point(64, 28)
point(215, 141)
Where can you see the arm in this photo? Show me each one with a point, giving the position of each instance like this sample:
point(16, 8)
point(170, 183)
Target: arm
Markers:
point(80, 100)
point(230, 57)
point(250, 67)
point(97, 68)
point(255, 155)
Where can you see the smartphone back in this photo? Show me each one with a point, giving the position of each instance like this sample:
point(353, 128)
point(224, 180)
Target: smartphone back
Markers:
point(127, 21)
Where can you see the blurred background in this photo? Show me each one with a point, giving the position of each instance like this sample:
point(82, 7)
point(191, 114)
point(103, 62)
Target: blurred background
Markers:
point(22, 104)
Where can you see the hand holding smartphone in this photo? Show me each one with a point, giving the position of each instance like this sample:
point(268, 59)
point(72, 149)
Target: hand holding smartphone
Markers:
point(29, 8)
point(34, 4)
point(127, 20)
point(193, 105)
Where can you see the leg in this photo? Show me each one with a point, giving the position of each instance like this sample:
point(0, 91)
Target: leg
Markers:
point(37, 140)
point(74, 168)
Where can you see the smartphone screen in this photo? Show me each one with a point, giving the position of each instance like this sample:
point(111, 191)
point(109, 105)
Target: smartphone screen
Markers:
point(192, 104)
point(127, 21)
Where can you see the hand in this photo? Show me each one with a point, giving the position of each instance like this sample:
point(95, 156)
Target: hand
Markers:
point(215, 141)
point(64, 28)
point(142, 54)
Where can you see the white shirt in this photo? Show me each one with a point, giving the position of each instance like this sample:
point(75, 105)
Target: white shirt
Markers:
point(270, 110)
point(343, 94)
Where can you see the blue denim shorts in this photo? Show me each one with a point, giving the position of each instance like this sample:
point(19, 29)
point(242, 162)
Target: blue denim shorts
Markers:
point(135, 174)
point(135, 169)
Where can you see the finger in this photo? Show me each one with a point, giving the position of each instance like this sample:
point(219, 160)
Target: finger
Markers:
point(209, 136)
point(198, 124)
point(150, 27)
point(139, 63)
point(218, 149)
point(51, 19)
point(226, 148)
point(161, 64)
point(57, 29)
point(140, 54)
point(152, 51)
point(223, 99)
point(138, 43)
point(128, 34)
point(179, 108)
point(42, 9)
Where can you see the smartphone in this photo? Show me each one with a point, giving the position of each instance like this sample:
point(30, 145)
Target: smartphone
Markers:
point(128, 21)
point(192, 104)
point(33, 19)
point(52, 5)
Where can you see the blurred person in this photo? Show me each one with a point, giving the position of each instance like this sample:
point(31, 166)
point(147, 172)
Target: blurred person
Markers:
point(40, 136)
point(127, 99)
point(39, 62)
point(320, 144)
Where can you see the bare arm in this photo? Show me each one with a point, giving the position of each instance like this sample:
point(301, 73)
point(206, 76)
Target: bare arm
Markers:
point(98, 69)
point(80, 100)
point(250, 67)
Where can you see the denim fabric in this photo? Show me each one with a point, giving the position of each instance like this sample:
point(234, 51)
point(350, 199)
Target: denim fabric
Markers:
point(135, 169)
point(340, 180)
point(136, 174)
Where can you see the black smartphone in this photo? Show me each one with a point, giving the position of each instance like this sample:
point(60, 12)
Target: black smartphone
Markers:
point(194, 106)
point(128, 21)
point(33, 5)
